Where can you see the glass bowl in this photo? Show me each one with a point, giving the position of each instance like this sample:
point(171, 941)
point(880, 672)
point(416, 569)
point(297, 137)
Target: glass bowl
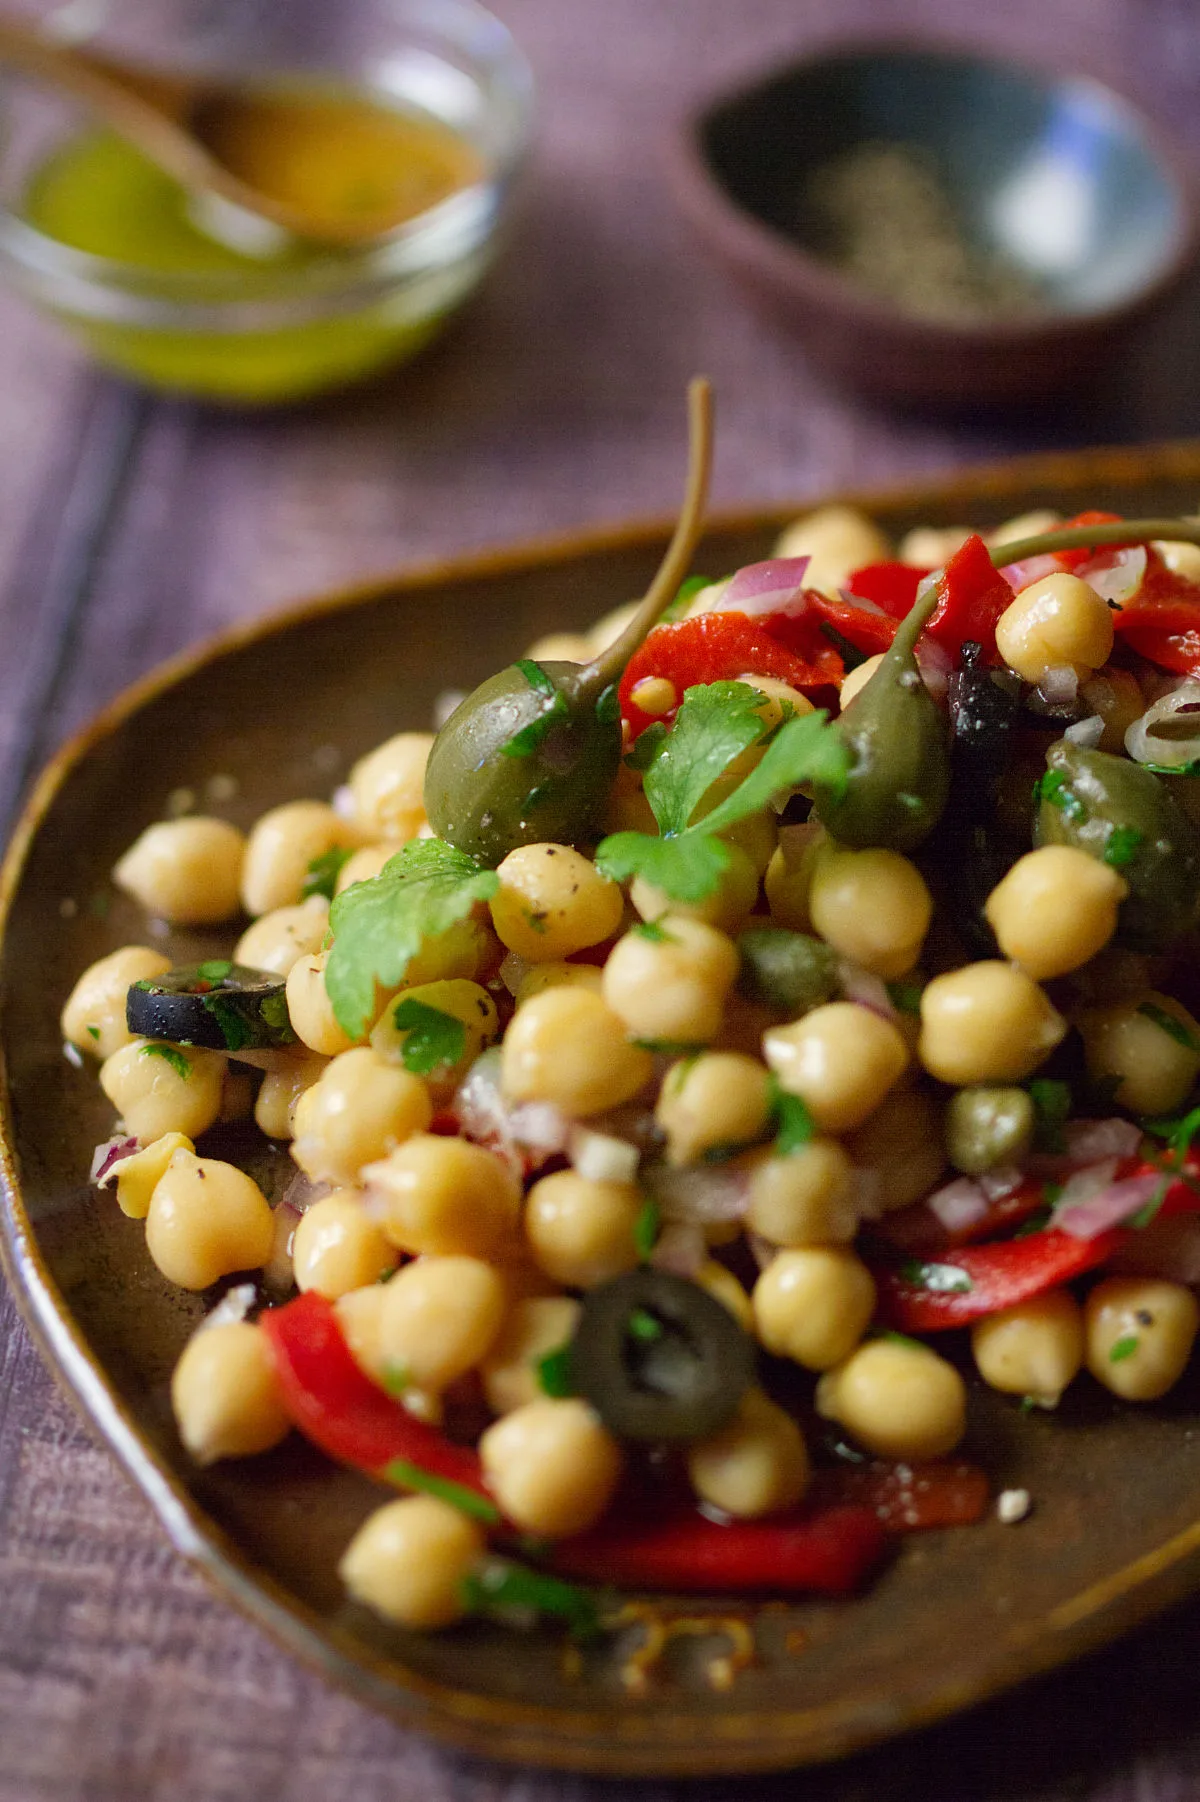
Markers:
point(259, 330)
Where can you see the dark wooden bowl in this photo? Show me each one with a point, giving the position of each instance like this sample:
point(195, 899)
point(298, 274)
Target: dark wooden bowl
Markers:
point(1115, 1529)
point(1060, 174)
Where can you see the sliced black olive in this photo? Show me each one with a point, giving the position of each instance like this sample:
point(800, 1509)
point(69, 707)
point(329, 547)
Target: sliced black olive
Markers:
point(659, 1358)
point(220, 1005)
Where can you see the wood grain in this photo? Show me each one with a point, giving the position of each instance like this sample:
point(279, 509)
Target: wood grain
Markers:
point(130, 526)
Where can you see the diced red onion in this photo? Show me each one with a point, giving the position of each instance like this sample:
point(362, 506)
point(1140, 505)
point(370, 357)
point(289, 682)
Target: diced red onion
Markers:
point(958, 1204)
point(703, 1194)
point(233, 1306)
point(864, 988)
point(776, 586)
point(107, 1156)
point(1059, 686)
point(601, 1158)
point(512, 971)
point(1001, 1181)
point(1086, 1216)
point(861, 602)
point(1030, 569)
point(1116, 575)
point(302, 1191)
point(682, 1249)
point(541, 1126)
point(1087, 1142)
point(342, 802)
point(935, 664)
point(1147, 742)
point(1086, 733)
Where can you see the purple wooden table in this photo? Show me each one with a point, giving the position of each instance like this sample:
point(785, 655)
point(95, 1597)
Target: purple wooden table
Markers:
point(130, 526)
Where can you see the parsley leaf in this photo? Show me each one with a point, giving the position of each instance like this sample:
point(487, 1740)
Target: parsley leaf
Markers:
point(554, 1373)
point(1174, 1029)
point(688, 865)
point(1123, 1348)
point(215, 970)
point(645, 1229)
point(434, 1041)
point(645, 1326)
point(324, 871)
point(1051, 1105)
point(795, 1125)
point(170, 1055)
point(380, 925)
point(1122, 846)
point(645, 929)
point(905, 997)
point(1053, 787)
point(716, 722)
point(646, 746)
point(528, 737)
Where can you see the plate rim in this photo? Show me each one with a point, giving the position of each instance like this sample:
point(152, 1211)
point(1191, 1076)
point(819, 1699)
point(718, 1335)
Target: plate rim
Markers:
point(607, 1741)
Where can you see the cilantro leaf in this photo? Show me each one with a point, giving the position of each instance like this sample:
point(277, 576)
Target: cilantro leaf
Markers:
point(380, 925)
point(716, 722)
point(170, 1055)
point(324, 871)
point(804, 749)
point(435, 1040)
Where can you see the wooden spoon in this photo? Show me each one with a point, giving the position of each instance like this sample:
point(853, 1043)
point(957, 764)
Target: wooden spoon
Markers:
point(368, 166)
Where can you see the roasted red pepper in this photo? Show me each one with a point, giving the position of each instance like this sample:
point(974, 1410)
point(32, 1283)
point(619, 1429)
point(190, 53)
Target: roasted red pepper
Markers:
point(920, 1232)
point(962, 1286)
point(892, 586)
point(720, 647)
point(868, 631)
point(341, 1410)
point(828, 1552)
point(972, 594)
point(1162, 620)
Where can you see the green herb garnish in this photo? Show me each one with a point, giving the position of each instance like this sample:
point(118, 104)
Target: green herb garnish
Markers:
point(1123, 1348)
point(1122, 846)
point(646, 746)
point(216, 969)
point(650, 929)
point(93, 1032)
point(502, 1585)
point(323, 872)
point(170, 1054)
point(380, 925)
point(433, 1040)
point(1051, 1105)
point(529, 737)
point(643, 1325)
point(645, 1229)
point(554, 1373)
point(687, 592)
point(795, 1126)
point(905, 997)
point(468, 1501)
point(1174, 1029)
point(397, 1378)
point(1054, 788)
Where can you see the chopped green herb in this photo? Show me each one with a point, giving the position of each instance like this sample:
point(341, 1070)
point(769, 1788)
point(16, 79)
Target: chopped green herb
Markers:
point(170, 1054)
point(529, 737)
point(1028, 1403)
point(795, 1126)
point(1175, 769)
point(554, 1373)
point(650, 929)
point(669, 1047)
point(323, 872)
point(1122, 846)
point(93, 1032)
point(905, 997)
point(645, 1229)
point(433, 1040)
point(1123, 1348)
point(411, 1476)
point(498, 1586)
point(215, 970)
point(938, 1279)
point(235, 1029)
point(716, 722)
point(646, 746)
point(397, 1378)
point(1174, 1029)
point(535, 921)
point(1053, 787)
point(1051, 1105)
point(380, 925)
point(643, 1325)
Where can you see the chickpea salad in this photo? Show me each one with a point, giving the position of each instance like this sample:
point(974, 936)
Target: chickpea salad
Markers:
point(736, 1033)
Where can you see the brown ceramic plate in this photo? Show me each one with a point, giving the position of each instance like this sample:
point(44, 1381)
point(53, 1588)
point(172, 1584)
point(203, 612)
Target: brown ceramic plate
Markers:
point(284, 708)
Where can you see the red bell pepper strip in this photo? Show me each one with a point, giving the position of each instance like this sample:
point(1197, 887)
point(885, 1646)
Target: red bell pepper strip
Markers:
point(892, 586)
point(829, 1552)
point(972, 594)
point(862, 627)
point(919, 1231)
point(1092, 516)
point(966, 1285)
point(720, 647)
point(1162, 621)
point(343, 1412)
point(907, 1498)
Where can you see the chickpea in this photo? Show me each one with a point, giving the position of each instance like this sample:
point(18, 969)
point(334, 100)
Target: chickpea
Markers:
point(1055, 909)
point(1059, 620)
point(536, 1325)
point(1024, 525)
point(720, 1098)
point(553, 901)
point(363, 865)
point(185, 870)
point(1156, 1068)
point(225, 1394)
point(758, 833)
point(899, 1399)
point(901, 1144)
point(655, 695)
point(445, 1197)
point(206, 1220)
point(409, 1559)
point(456, 955)
point(551, 1466)
point(1139, 1334)
point(388, 787)
point(756, 1464)
point(282, 846)
point(1034, 1348)
point(568, 1046)
point(310, 1010)
point(840, 1059)
point(581, 1232)
point(159, 1089)
point(137, 1177)
point(1182, 558)
point(560, 647)
point(806, 1198)
point(338, 1247)
point(988, 1127)
point(872, 906)
point(837, 540)
point(723, 1286)
point(727, 908)
point(813, 1304)
point(628, 810)
point(360, 1316)
point(1116, 697)
point(281, 1088)
point(558, 976)
point(856, 679)
point(788, 880)
point(929, 547)
point(465, 1002)
point(440, 1317)
point(283, 936)
point(608, 628)
point(671, 986)
point(358, 1110)
point(93, 1018)
point(987, 1022)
